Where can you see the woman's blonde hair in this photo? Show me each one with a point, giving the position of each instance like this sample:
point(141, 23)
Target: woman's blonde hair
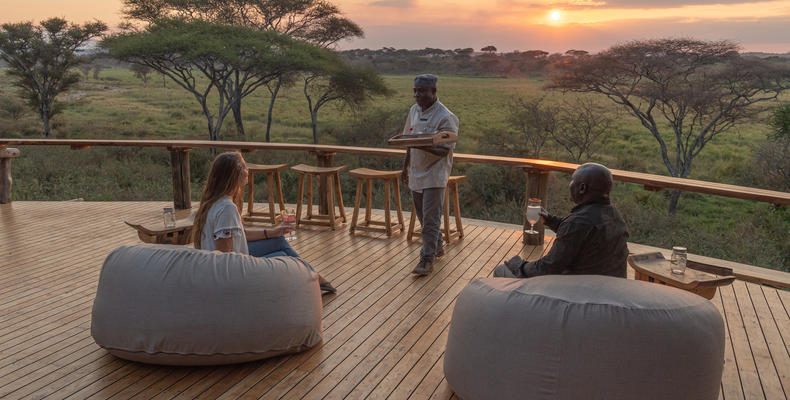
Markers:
point(225, 177)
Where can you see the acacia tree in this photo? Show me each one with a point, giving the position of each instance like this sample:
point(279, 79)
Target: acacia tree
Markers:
point(315, 21)
point(582, 125)
point(41, 58)
point(700, 90)
point(535, 121)
point(335, 81)
point(207, 59)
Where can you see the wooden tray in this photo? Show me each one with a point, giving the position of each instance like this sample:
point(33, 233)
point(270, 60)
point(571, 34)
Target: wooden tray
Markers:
point(699, 278)
point(157, 233)
point(424, 139)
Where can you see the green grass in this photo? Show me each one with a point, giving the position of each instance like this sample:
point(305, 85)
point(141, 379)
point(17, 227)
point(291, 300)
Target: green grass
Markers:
point(119, 106)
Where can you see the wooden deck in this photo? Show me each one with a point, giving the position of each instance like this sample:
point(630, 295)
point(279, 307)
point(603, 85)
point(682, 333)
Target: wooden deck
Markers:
point(384, 332)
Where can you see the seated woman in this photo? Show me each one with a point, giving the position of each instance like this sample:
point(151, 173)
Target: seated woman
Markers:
point(218, 226)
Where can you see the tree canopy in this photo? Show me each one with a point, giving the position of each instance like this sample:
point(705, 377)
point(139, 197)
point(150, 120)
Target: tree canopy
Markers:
point(233, 60)
point(41, 58)
point(700, 89)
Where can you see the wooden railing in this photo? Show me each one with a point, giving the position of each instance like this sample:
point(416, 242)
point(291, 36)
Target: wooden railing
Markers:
point(536, 174)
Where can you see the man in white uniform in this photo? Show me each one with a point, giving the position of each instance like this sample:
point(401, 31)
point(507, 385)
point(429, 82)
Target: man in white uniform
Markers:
point(426, 169)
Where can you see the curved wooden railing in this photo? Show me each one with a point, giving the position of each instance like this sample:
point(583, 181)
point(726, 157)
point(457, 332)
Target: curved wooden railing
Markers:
point(536, 172)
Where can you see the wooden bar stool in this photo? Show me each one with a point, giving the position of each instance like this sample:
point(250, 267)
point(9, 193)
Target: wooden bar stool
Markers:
point(275, 185)
point(447, 232)
point(367, 176)
point(333, 182)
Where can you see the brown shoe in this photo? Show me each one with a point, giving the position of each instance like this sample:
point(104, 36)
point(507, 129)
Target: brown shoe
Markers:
point(424, 267)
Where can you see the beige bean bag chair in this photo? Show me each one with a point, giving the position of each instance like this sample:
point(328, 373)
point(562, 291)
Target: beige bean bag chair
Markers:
point(583, 337)
point(175, 305)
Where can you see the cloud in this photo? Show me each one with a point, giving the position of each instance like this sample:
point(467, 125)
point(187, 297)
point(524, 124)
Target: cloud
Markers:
point(394, 3)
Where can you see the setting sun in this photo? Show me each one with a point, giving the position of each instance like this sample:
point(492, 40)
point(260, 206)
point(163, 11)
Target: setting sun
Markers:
point(555, 15)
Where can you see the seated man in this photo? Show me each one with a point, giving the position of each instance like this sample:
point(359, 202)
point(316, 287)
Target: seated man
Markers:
point(591, 240)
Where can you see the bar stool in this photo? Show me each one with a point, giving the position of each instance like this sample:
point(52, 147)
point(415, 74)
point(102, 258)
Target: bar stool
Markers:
point(367, 176)
point(447, 232)
point(333, 182)
point(274, 183)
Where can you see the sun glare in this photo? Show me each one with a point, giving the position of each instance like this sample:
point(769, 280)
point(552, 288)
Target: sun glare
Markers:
point(555, 15)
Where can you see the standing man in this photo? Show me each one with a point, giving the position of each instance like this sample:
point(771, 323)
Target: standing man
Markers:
point(426, 169)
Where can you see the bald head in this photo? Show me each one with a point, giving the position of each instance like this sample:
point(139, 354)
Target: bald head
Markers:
point(590, 182)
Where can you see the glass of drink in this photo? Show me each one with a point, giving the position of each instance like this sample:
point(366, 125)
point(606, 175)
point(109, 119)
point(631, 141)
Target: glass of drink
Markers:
point(289, 217)
point(169, 217)
point(677, 263)
point(533, 214)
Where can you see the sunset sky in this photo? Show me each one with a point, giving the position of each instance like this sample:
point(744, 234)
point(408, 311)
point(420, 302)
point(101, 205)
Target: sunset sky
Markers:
point(554, 26)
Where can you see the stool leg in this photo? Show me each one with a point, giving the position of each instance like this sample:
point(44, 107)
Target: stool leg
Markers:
point(397, 203)
point(459, 226)
point(339, 196)
point(279, 188)
point(446, 212)
point(357, 199)
point(309, 197)
point(411, 224)
point(270, 183)
point(331, 201)
point(368, 201)
point(251, 189)
point(299, 199)
point(387, 208)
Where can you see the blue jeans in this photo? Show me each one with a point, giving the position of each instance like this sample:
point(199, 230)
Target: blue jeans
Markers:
point(271, 247)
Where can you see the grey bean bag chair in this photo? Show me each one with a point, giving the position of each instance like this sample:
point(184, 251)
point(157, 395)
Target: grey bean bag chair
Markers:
point(583, 337)
point(175, 305)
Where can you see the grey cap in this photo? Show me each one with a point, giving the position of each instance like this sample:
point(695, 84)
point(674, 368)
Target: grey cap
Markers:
point(426, 80)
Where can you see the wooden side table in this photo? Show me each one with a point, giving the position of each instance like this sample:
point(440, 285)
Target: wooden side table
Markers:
point(701, 279)
point(156, 233)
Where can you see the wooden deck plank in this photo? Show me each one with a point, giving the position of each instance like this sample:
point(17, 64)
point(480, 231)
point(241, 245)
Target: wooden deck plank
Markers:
point(418, 339)
point(769, 379)
point(747, 369)
point(398, 290)
point(385, 339)
point(775, 344)
point(384, 331)
point(335, 335)
point(731, 381)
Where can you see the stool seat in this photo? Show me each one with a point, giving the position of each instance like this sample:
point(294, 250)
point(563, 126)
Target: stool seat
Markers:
point(373, 173)
point(263, 168)
point(450, 194)
point(456, 179)
point(365, 176)
point(332, 193)
point(309, 169)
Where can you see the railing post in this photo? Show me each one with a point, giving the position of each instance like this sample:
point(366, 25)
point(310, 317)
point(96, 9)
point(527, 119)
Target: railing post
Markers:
point(324, 159)
point(6, 155)
point(537, 187)
point(179, 159)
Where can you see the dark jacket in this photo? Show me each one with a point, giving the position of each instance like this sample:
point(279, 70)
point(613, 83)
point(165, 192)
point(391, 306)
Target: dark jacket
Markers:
point(591, 240)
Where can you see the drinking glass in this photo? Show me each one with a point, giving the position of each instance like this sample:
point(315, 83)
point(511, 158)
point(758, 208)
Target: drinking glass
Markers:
point(169, 217)
point(678, 260)
point(289, 217)
point(533, 214)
